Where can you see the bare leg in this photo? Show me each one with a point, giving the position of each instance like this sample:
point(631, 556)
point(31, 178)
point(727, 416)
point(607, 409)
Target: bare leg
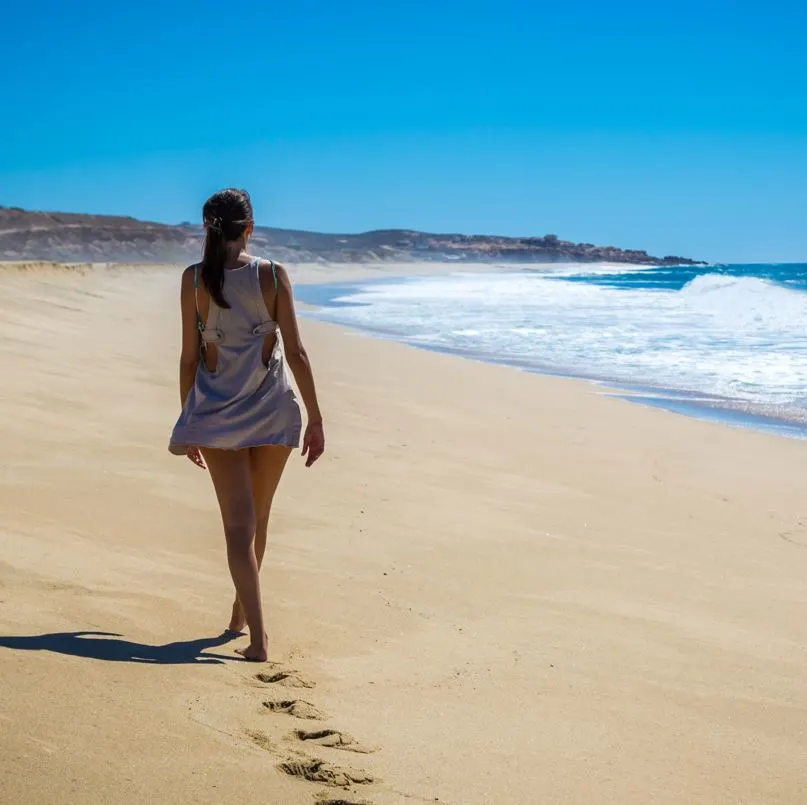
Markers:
point(266, 468)
point(232, 479)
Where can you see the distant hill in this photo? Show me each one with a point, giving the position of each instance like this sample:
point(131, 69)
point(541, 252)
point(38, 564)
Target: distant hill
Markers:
point(72, 237)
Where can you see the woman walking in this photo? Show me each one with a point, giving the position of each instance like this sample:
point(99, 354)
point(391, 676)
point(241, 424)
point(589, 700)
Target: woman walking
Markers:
point(240, 417)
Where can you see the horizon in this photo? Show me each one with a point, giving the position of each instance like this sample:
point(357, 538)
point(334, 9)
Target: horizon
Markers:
point(676, 131)
point(409, 229)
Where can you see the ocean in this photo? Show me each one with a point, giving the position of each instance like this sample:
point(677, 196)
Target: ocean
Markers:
point(721, 342)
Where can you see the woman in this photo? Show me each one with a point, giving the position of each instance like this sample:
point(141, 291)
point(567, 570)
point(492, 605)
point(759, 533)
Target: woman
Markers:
point(240, 416)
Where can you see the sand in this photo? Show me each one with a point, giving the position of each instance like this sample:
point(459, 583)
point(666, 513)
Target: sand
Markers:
point(501, 588)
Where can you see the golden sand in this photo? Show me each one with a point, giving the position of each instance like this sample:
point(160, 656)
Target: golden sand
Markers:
point(497, 587)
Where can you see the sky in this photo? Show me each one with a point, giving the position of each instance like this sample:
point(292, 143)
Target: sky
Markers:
point(679, 127)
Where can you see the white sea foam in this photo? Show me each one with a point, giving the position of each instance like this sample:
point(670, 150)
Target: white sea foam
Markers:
point(736, 337)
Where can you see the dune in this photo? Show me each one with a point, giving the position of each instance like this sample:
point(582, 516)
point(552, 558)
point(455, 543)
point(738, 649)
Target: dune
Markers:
point(496, 587)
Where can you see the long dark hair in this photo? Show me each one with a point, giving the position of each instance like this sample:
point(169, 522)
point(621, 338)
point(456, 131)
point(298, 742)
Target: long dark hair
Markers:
point(226, 216)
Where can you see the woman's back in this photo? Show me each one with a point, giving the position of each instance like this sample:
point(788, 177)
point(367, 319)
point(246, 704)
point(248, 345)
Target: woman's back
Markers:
point(241, 396)
point(227, 334)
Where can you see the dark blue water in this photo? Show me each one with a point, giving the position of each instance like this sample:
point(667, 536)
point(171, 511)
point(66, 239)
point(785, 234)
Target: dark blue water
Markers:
point(675, 278)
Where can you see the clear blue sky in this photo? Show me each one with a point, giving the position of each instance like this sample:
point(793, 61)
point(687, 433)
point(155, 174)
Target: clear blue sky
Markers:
point(679, 126)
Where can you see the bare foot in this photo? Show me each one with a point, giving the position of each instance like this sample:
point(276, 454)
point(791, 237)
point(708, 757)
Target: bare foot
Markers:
point(253, 653)
point(238, 620)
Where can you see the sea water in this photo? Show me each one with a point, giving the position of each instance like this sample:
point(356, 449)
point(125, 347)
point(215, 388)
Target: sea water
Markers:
point(726, 342)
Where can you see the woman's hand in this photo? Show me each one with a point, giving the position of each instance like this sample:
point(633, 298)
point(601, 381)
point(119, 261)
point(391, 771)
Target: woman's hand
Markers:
point(195, 456)
point(313, 442)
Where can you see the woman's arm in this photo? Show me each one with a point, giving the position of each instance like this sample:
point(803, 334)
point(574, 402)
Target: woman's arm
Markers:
point(296, 355)
point(189, 359)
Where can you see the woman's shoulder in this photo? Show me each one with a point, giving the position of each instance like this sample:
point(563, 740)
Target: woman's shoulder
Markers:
point(266, 262)
point(189, 275)
point(273, 269)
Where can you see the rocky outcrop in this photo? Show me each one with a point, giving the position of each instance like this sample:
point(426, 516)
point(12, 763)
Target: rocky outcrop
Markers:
point(71, 237)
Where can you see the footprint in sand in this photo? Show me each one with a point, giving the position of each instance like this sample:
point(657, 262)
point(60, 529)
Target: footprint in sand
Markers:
point(291, 679)
point(319, 771)
point(315, 770)
point(342, 802)
point(333, 739)
point(295, 707)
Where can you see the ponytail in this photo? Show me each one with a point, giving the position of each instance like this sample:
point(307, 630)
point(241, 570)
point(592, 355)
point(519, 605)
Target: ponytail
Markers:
point(226, 215)
point(213, 262)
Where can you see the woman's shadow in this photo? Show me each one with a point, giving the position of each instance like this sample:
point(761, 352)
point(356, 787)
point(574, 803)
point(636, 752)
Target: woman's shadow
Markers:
point(100, 646)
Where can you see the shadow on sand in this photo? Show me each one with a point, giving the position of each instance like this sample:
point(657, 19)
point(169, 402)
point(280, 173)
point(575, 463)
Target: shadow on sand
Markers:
point(101, 646)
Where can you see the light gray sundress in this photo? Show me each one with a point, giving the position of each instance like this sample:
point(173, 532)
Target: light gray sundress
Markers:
point(244, 402)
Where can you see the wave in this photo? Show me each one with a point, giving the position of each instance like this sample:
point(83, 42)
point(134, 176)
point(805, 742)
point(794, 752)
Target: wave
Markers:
point(747, 301)
point(708, 283)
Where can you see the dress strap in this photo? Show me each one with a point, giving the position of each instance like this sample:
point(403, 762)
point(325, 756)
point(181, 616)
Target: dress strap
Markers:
point(199, 324)
point(274, 277)
point(259, 301)
point(257, 293)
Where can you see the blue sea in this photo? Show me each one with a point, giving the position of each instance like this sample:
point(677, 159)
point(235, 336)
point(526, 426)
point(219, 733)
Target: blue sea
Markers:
point(724, 342)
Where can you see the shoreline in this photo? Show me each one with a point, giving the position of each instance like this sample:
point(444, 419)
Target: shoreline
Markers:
point(317, 283)
point(726, 411)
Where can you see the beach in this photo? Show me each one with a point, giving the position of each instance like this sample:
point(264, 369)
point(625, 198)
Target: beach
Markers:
point(500, 587)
